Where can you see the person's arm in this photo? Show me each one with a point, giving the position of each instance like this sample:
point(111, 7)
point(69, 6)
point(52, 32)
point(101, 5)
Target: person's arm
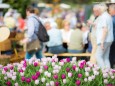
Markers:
point(104, 34)
point(104, 31)
point(30, 31)
point(31, 28)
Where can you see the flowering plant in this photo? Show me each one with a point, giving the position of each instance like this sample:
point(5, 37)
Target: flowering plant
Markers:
point(51, 72)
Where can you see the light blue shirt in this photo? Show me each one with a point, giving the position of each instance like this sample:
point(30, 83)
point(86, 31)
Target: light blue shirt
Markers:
point(32, 27)
point(104, 20)
point(55, 37)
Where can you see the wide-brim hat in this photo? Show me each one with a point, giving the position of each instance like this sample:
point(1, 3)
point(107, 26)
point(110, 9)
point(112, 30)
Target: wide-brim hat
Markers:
point(4, 33)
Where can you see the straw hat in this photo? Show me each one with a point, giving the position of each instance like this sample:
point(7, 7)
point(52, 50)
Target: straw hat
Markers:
point(4, 33)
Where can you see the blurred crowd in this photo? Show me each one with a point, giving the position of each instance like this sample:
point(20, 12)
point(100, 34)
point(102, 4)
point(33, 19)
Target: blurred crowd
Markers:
point(63, 22)
point(68, 32)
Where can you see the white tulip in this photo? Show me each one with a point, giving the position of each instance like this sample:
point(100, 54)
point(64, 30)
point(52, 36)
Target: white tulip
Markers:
point(22, 73)
point(112, 77)
point(87, 73)
point(89, 78)
point(61, 63)
point(5, 78)
point(47, 84)
point(14, 78)
point(52, 83)
point(76, 69)
point(85, 80)
point(43, 79)
point(46, 73)
point(41, 70)
point(49, 75)
point(53, 63)
point(64, 81)
point(36, 82)
point(105, 81)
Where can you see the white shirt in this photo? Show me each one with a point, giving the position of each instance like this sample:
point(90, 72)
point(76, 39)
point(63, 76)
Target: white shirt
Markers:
point(85, 37)
point(55, 37)
point(104, 20)
point(66, 35)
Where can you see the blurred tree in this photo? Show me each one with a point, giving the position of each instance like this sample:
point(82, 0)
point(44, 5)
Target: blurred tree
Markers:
point(52, 1)
point(73, 1)
point(20, 5)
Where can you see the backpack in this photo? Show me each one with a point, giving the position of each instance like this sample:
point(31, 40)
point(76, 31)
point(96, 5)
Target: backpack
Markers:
point(42, 33)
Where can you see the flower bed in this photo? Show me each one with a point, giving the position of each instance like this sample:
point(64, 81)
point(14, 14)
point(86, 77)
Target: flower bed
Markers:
point(50, 72)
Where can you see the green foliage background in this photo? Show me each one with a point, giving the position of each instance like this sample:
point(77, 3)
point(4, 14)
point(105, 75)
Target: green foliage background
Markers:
point(21, 5)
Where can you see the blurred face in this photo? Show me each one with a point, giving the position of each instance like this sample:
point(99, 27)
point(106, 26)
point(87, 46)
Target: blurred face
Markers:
point(27, 13)
point(47, 26)
point(112, 11)
point(96, 12)
point(84, 28)
point(66, 26)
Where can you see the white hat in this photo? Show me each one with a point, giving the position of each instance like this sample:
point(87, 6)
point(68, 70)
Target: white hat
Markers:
point(4, 33)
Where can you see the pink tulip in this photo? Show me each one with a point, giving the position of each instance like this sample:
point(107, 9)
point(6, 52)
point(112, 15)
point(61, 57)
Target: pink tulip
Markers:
point(82, 65)
point(8, 83)
point(35, 64)
point(24, 65)
point(73, 67)
point(68, 60)
point(113, 71)
point(56, 83)
point(28, 80)
point(5, 69)
point(53, 60)
point(34, 77)
point(62, 60)
point(55, 76)
point(46, 67)
point(67, 69)
point(21, 70)
point(78, 82)
point(38, 73)
point(23, 78)
point(63, 76)
point(79, 75)
point(109, 85)
point(11, 67)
